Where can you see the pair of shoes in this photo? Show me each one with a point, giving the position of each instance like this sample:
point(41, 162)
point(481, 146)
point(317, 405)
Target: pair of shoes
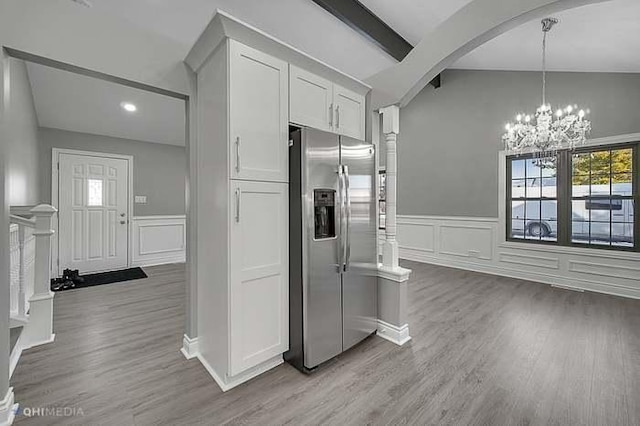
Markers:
point(58, 284)
point(73, 276)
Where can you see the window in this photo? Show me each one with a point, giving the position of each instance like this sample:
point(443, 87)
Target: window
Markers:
point(95, 192)
point(382, 198)
point(580, 198)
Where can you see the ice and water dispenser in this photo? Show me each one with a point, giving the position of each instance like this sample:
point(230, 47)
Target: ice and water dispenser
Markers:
point(324, 212)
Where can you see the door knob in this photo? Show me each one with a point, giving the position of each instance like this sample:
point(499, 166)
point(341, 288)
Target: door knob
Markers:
point(122, 215)
point(122, 222)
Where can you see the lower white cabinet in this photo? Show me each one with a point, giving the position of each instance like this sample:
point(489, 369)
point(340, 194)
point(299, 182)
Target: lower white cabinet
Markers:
point(259, 274)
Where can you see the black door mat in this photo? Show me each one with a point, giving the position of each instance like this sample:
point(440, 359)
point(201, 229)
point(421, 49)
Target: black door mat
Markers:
point(101, 278)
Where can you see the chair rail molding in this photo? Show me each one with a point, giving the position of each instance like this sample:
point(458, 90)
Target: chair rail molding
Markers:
point(477, 244)
point(158, 240)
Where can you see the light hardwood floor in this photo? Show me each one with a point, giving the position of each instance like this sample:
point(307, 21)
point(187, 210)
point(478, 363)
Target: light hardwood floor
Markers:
point(485, 350)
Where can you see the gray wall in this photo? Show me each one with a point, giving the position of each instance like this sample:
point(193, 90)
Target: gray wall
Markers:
point(159, 171)
point(22, 141)
point(450, 137)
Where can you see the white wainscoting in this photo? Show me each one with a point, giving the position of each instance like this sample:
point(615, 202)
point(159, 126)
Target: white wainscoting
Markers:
point(158, 240)
point(475, 244)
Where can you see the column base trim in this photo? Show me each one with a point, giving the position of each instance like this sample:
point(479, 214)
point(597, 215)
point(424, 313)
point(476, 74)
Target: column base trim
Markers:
point(398, 274)
point(232, 382)
point(8, 409)
point(392, 333)
point(189, 347)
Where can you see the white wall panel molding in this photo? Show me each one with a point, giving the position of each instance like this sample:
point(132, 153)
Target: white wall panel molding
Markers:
point(158, 240)
point(475, 244)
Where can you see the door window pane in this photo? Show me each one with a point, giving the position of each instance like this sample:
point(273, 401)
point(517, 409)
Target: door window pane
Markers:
point(94, 192)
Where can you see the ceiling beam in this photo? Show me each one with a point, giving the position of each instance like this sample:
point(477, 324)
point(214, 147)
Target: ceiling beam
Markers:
point(357, 16)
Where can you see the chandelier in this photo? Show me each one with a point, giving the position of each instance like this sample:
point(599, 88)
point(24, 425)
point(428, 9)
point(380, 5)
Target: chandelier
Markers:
point(547, 131)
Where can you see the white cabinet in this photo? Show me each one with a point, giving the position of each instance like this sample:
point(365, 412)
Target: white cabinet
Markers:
point(311, 100)
point(258, 120)
point(259, 276)
point(350, 112)
point(318, 103)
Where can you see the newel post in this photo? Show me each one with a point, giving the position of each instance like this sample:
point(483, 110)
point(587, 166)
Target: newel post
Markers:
point(392, 279)
point(40, 327)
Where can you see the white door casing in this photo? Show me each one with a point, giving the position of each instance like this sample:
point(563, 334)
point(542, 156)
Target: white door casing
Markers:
point(93, 202)
point(259, 115)
point(259, 276)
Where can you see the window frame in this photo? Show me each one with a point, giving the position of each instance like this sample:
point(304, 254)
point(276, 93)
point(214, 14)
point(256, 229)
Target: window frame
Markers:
point(564, 196)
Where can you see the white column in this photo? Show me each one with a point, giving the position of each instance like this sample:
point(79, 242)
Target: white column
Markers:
point(39, 329)
point(392, 279)
point(21, 275)
point(390, 128)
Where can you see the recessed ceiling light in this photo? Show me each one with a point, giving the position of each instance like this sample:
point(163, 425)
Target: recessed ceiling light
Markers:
point(128, 106)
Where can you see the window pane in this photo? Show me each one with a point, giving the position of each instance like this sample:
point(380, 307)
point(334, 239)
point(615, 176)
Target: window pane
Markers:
point(533, 168)
point(580, 232)
point(517, 210)
point(581, 164)
point(622, 210)
point(517, 228)
point(622, 184)
point(600, 184)
point(622, 161)
point(532, 210)
point(622, 234)
point(580, 186)
point(517, 188)
point(600, 163)
point(579, 212)
point(549, 210)
point(549, 187)
point(95, 192)
point(533, 188)
point(517, 169)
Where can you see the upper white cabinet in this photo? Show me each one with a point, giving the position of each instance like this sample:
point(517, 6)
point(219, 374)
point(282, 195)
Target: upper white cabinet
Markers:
point(311, 100)
point(258, 101)
point(318, 103)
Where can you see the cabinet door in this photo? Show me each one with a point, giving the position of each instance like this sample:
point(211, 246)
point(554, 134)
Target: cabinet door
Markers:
point(259, 293)
point(258, 99)
point(310, 99)
point(350, 111)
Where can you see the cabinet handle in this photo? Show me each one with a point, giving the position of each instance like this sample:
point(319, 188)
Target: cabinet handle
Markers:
point(238, 193)
point(338, 117)
point(331, 115)
point(238, 154)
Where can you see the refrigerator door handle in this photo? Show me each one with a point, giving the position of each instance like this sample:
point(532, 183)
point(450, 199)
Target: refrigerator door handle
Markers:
point(347, 255)
point(341, 213)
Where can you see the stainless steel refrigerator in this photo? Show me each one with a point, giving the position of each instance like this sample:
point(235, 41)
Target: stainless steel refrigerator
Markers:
point(333, 280)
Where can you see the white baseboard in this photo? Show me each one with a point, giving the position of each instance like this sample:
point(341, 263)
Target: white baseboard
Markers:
point(158, 240)
point(475, 244)
point(8, 409)
point(245, 376)
point(189, 347)
point(392, 333)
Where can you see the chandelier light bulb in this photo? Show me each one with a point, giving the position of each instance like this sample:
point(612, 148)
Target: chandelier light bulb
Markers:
point(559, 113)
point(519, 117)
point(581, 113)
point(569, 109)
point(527, 118)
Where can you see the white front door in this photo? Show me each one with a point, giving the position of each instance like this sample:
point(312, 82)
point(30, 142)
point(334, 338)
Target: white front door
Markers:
point(93, 213)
